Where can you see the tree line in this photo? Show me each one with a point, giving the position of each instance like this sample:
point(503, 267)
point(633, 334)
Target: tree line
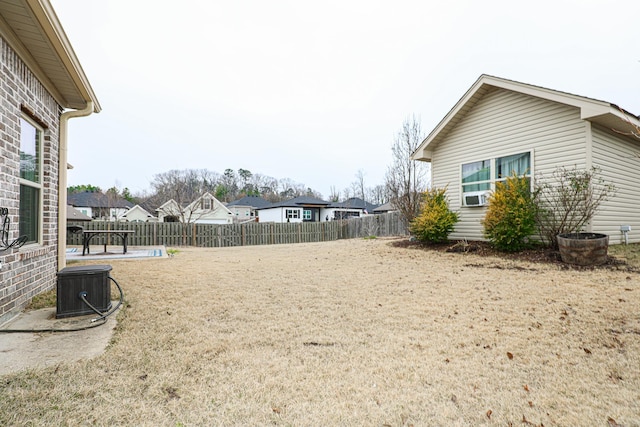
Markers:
point(405, 181)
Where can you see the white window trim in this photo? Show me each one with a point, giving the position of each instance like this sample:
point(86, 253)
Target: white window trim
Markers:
point(38, 185)
point(492, 179)
point(207, 204)
point(295, 213)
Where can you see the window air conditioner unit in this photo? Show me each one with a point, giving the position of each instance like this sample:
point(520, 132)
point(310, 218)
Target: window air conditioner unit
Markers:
point(476, 198)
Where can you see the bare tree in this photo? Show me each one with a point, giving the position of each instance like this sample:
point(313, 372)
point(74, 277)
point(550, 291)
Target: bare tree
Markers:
point(407, 179)
point(267, 187)
point(334, 194)
point(360, 184)
point(347, 193)
point(183, 187)
point(377, 195)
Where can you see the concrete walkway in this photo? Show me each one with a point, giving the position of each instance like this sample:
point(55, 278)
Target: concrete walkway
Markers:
point(20, 351)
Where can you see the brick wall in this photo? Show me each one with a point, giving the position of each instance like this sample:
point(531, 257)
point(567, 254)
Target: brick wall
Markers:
point(27, 271)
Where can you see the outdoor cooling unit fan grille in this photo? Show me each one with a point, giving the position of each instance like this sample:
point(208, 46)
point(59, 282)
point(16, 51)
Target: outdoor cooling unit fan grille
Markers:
point(92, 279)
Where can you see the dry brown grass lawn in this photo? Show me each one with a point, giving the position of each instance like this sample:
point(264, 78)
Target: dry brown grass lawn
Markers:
point(353, 332)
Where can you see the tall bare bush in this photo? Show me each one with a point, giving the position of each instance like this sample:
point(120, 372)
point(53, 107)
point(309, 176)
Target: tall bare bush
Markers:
point(567, 201)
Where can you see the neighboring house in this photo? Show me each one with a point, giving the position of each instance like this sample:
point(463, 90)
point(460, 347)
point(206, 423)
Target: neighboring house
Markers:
point(245, 209)
point(100, 206)
point(351, 208)
point(500, 126)
point(74, 214)
point(138, 214)
point(299, 209)
point(387, 207)
point(206, 209)
point(42, 86)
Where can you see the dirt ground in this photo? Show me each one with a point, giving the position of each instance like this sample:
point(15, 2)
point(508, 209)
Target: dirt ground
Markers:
point(354, 332)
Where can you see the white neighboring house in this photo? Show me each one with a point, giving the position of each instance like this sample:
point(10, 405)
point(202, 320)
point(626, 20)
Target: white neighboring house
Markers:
point(204, 210)
point(138, 214)
point(299, 209)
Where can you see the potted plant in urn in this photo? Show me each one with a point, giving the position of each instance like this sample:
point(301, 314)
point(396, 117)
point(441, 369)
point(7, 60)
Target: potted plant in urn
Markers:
point(565, 205)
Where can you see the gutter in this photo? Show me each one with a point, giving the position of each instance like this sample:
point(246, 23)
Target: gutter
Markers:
point(62, 180)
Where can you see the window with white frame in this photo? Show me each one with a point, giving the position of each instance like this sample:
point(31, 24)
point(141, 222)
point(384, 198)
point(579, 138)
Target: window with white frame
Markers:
point(520, 164)
point(206, 203)
point(292, 213)
point(30, 223)
point(306, 215)
point(478, 178)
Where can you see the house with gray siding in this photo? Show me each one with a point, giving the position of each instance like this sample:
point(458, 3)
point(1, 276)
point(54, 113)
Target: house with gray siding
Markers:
point(500, 126)
point(42, 86)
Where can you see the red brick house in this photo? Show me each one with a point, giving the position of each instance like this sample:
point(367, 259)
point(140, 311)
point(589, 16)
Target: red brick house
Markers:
point(42, 86)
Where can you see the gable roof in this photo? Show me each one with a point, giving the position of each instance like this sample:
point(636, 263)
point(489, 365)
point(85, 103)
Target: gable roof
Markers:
point(172, 206)
point(74, 214)
point(604, 113)
point(387, 207)
point(353, 203)
point(194, 205)
point(91, 199)
point(32, 29)
point(297, 202)
point(252, 201)
point(168, 203)
point(142, 210)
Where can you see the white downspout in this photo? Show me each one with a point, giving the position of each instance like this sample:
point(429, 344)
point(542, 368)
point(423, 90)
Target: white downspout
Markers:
point(62, 181)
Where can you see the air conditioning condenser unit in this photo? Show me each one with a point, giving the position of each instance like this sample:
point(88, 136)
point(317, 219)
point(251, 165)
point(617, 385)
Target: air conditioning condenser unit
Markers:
point(92, 281)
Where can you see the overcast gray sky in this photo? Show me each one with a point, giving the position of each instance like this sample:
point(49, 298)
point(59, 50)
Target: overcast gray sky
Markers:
point(315, 91)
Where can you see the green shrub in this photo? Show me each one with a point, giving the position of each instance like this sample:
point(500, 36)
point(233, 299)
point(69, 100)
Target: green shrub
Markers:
point(510, 217)
point(435, 221)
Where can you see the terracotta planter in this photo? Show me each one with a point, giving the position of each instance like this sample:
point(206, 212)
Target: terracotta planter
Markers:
point(583, 248)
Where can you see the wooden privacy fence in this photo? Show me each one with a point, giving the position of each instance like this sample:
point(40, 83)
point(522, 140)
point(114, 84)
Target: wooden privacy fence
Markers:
point(252, 233)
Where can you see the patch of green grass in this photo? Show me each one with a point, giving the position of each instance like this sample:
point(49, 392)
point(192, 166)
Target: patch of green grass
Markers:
point(172, 251)
point(629, 253)
point(370, 237)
